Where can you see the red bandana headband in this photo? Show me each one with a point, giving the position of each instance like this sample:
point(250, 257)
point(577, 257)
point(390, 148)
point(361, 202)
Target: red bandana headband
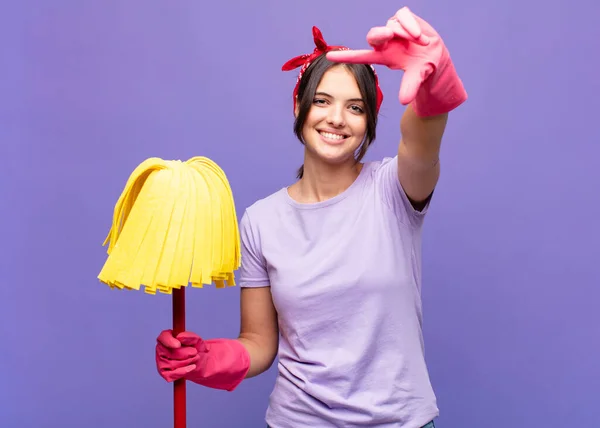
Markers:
point(305, 60)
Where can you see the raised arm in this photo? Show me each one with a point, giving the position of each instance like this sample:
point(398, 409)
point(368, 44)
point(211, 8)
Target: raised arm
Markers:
point(430, 88)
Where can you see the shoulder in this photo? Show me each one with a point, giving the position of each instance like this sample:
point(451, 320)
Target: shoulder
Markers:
point(256, 226)
point(253, 225)
point(384, 177)
point(383, 172)
point(263, 207)
point(378, 165)
point(263, 211)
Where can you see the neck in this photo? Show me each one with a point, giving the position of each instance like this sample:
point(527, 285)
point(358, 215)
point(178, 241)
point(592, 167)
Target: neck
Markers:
point(324, 181)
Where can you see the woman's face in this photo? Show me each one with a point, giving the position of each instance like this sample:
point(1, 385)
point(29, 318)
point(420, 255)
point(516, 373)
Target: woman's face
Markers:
point(336, 124)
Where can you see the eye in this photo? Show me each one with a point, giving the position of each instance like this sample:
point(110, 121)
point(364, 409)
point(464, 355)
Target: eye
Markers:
point(357, 108)
point(319, 101)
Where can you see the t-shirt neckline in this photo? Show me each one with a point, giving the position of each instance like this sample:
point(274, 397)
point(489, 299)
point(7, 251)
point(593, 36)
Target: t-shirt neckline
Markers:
point(337, 198)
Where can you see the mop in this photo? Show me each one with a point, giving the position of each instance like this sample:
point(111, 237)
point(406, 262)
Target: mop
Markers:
point(174, 225)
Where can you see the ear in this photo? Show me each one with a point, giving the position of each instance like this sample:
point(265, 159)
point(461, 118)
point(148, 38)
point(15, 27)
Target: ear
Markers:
point(296, 108)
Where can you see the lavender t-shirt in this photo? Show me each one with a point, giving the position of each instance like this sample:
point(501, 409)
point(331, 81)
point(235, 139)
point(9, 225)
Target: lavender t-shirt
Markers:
point(345, 275)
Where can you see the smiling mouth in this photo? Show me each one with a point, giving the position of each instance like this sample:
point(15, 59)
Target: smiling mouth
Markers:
point(333, 137)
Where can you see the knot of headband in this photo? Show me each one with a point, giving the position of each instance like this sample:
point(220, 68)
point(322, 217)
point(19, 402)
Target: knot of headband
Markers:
point(305, 60)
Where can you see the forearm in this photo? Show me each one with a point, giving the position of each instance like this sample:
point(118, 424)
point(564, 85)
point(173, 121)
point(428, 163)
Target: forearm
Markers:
point(262, 353)
point(421, 138)
point(418, 154)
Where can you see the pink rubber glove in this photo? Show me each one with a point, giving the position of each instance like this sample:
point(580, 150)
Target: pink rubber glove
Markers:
point(408, 43)
point(215, 363)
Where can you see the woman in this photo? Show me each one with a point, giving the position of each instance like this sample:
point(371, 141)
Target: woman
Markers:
point(331, 265)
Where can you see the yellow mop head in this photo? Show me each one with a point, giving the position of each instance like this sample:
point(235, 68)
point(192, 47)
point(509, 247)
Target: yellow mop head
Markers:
point(174, 224)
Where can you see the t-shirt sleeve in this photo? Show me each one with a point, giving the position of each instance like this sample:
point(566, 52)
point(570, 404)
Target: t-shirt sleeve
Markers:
point(253, 269)
point(394, 196)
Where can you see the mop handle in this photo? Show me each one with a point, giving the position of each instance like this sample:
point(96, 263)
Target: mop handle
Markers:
point(179, 392)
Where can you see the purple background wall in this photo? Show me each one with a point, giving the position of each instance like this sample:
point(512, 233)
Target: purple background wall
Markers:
point(90, 89)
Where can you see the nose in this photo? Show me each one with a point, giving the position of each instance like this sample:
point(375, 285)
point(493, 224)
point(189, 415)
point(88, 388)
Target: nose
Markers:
point(335, 116)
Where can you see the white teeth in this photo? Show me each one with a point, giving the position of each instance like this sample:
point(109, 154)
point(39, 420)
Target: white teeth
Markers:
point(332, 136)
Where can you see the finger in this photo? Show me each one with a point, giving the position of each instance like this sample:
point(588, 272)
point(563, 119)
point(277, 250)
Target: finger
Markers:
point(399, 31)
point(169, 365)
point(166, 339)
point(176, 354)
point(187, 334)
point(411, 83)
point(188, 337)
point(180, 373)
point(356, 57)
point(379, 36)
point(405, 18)
point(404, 24)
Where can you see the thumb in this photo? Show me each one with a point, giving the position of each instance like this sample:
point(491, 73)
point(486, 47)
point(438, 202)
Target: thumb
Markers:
point(412, 80)
point(187, 338)
point(166, 339)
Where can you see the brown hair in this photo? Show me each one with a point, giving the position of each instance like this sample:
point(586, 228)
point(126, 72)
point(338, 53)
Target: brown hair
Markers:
point(308, 86)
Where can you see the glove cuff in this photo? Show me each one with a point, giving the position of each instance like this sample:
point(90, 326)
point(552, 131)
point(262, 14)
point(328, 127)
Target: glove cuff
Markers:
point(441, 92)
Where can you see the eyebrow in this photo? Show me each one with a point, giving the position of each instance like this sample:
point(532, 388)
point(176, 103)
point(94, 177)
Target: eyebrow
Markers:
point(325, 94)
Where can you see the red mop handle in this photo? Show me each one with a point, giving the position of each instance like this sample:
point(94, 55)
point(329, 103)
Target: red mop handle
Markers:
point(179, 398)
